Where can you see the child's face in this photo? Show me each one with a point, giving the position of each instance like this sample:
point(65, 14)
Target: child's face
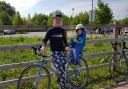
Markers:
point(79, 31)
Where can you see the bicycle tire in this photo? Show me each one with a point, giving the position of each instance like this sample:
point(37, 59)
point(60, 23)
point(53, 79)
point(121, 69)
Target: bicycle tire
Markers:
point(24, 83)
point(117, 67)
point(80, 84)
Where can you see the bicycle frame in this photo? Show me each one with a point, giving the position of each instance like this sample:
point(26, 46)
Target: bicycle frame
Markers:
point(42, 64)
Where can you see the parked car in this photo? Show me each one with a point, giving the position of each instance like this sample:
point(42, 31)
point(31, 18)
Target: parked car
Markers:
point(9, 32)
point(126, 31)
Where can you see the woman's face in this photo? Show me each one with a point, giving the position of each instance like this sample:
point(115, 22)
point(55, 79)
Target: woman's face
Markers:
point(79, 31)
point(57, 22)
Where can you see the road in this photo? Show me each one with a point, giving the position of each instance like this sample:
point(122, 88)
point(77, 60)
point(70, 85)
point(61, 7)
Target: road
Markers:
point(37, 34)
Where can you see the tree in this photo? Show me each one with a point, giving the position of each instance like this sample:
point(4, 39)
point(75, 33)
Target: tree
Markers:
point(65, 20)
point(50, 19)
point(103, 13)
point(82, 18)
point(39, 19)
point(5, 19)
point(5, 7)
point(75, 20)
point(28, 20)
point(24, 21)
point(17, 20)
point(124, 21)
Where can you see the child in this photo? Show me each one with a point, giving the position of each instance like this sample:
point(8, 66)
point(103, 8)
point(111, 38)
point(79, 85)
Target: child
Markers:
point(77, 45)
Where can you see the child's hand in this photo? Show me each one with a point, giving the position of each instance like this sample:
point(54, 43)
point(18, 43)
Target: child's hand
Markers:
point(77, 41)
point(67, 49)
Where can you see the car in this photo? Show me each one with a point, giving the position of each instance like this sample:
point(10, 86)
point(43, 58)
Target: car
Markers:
point(9, 32)
point(126, 31)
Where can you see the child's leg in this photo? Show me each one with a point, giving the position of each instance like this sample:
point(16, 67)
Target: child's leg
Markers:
point(78, 55)
point(74, 52)
point(73, 55)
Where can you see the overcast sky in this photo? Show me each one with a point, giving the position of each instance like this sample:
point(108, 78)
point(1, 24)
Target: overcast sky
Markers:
point(119, 7)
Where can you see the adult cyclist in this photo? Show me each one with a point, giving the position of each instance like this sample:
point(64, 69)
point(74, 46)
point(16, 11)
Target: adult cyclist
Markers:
point(58, 45)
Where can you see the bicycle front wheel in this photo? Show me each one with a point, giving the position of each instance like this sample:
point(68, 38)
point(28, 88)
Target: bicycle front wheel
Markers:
point(77, 75)
point(30, 79)
point(118, 67)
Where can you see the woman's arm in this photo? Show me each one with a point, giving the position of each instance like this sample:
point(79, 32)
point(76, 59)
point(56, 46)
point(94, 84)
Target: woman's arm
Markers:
point(44, 42)
point(65, 38)
point(46, 38)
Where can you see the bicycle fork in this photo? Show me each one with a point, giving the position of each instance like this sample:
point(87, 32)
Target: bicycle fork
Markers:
point(38, 76)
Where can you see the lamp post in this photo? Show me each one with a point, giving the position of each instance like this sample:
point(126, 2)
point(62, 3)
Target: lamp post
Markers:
point(72, 18)
point(72, 11)
point(91, 18)
point(92, 13)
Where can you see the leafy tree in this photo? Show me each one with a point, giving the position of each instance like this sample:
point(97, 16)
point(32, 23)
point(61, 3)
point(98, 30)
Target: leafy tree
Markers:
point(39, 19)
point(50, 19)
point(103, 13)
point(82, 18)
point(17, 20)
point(6, 7)
point(5, 19)
point(124, 21)
point(29, 20)
point(65, 20)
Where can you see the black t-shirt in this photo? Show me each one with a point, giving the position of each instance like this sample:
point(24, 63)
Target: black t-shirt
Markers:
point(57, 38)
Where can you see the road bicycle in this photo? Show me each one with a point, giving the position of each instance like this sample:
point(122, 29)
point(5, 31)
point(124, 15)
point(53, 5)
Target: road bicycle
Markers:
point(119, 63)
point(39, 75)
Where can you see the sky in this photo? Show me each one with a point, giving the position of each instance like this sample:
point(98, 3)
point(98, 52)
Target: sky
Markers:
point(25, 7)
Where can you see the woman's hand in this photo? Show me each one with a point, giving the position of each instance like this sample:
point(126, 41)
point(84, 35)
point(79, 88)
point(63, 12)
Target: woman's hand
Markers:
point(42, 50)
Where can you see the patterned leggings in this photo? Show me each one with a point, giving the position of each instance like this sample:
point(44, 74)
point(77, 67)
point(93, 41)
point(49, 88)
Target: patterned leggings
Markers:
point(59, 62)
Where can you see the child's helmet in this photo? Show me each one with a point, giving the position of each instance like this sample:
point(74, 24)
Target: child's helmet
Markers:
point(79, 26)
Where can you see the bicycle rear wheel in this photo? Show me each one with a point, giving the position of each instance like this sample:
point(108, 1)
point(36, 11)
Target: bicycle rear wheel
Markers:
point(29, 78)
point(118, 67)
point(77, 75)
point(126, 53)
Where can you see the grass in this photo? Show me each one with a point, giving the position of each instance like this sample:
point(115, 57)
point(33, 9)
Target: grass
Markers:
point(99, 78)
point(19, 40)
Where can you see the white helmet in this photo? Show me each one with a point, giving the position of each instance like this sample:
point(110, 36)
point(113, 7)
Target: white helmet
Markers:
point(79, 26)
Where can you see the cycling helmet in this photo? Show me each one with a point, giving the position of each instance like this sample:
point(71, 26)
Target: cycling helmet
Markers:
point(79, 26)
point(57, 13)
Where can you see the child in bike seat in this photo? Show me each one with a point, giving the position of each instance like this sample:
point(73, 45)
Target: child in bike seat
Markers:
point(77, 44)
